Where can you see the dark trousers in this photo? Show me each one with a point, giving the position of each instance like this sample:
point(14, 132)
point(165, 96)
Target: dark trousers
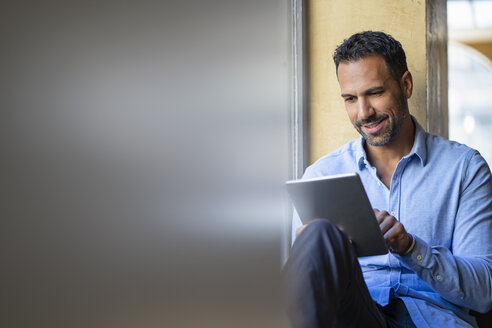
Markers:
point(324, 285)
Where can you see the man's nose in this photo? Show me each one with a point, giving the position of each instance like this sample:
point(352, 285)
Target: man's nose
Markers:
point(365, 108)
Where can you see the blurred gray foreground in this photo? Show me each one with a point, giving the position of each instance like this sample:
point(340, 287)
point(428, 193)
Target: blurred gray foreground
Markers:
point(143, 149)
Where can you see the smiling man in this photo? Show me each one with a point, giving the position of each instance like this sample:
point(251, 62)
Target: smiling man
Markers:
point(432, 199)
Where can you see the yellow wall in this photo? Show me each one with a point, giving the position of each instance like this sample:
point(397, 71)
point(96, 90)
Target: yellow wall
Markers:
point(329, 23)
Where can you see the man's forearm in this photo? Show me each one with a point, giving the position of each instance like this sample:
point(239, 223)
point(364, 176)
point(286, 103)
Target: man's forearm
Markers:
point(466, 282)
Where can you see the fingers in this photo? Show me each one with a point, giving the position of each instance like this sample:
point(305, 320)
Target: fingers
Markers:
point(389, 226)
point(393, 231)
point(386, 222)
point(381, 215)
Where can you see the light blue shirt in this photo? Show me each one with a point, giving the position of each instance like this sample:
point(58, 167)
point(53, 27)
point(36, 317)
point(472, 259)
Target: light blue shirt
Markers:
point(442, 193)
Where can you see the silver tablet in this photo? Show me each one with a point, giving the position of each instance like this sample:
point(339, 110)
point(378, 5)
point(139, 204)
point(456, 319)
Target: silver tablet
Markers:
point(342, 200)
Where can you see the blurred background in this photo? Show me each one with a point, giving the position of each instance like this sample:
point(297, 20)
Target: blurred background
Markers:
point(144, 146)
point(470, 74)
point(143, 151)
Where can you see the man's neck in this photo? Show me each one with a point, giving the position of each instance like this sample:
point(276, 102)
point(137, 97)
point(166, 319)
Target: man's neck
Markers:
point(385, 158)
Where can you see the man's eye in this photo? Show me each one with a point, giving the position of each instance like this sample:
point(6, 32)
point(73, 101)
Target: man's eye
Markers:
point(349, 99)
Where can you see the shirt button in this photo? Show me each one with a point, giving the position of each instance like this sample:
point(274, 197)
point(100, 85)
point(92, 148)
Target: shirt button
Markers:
point(393, 213)
point(438, 277)
point(419, 257)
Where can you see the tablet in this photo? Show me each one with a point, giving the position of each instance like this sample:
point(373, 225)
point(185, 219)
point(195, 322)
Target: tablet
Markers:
point(342, 200)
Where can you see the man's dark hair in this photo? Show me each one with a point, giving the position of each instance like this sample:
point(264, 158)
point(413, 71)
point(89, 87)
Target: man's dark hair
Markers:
point(369, 43)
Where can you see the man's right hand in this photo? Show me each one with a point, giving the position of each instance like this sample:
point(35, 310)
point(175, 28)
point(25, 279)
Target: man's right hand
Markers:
point(397, 238)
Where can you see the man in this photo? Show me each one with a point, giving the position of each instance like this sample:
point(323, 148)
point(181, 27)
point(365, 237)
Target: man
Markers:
point(432, 199)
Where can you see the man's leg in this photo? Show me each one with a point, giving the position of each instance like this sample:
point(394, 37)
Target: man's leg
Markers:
point(324, 284)
point(397, 315)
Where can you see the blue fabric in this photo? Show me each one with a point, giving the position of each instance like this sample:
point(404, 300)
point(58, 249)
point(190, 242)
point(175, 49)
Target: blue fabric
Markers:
point(442, 193)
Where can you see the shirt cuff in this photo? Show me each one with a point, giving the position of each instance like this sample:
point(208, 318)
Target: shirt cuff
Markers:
point(419, 258)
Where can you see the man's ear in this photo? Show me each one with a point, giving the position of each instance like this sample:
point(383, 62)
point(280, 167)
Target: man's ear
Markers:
point(406, 84)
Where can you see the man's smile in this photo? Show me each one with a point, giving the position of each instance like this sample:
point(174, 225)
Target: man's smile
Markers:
point(374, 126)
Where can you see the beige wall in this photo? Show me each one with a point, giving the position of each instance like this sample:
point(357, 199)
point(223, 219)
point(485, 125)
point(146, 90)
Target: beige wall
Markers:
point(329, 23)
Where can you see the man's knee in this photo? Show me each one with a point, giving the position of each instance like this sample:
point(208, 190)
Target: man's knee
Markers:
point(323, 229)
point(323, 240)
point(321, 224)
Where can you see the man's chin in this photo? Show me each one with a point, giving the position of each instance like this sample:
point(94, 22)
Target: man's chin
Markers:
point(380, 138)
point(376, 140)
point(377, 143)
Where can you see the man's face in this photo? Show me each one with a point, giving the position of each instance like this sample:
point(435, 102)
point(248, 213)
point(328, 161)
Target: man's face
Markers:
point(376, 103)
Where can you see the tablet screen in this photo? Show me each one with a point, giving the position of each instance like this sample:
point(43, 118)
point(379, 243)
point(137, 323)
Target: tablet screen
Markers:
point(342, 200)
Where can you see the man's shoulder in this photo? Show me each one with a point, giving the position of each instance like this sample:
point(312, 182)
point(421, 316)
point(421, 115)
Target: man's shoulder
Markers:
point(341, 160)
point(453, 158)
point(444, 149)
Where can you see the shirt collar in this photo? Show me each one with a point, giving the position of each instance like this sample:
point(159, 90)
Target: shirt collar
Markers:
point(419, 147)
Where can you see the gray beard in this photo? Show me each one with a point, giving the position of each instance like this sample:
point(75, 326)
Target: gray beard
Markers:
point(386, 136)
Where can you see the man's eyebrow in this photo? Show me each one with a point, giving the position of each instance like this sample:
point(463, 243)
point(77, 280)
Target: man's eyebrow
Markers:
point(374, 89)
point(368, 91)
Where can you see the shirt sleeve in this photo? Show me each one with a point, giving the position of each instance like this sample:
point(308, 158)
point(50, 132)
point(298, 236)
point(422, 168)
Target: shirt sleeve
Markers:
point(462, 275)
